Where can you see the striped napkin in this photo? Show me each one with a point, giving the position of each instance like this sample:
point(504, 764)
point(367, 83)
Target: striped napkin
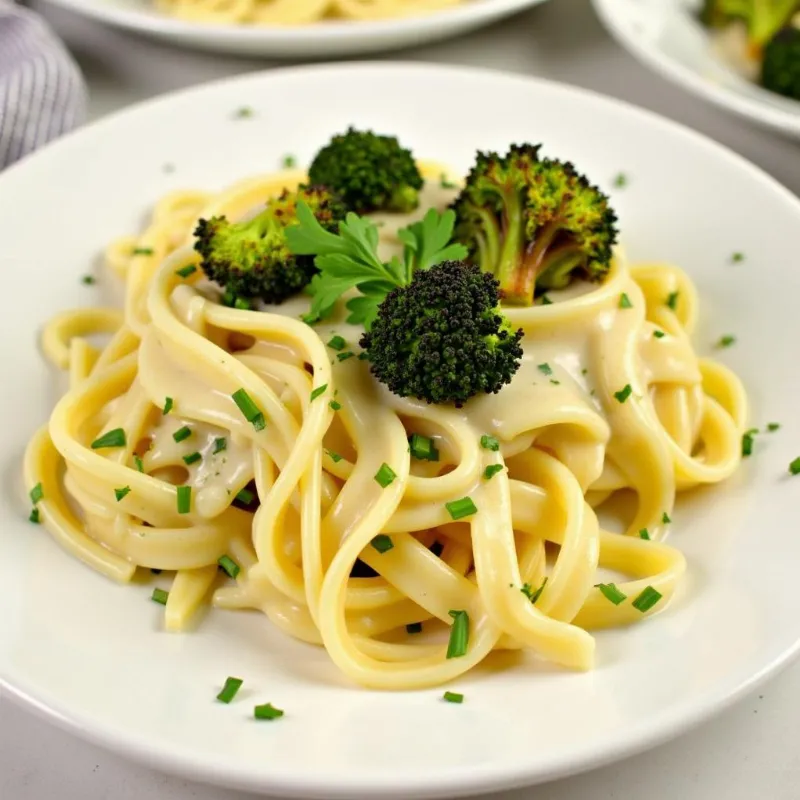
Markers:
point(42, 93)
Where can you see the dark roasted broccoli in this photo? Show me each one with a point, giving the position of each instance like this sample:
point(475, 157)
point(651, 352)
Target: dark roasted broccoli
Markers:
point(780, 69)
point(370, 172)
point(251, 259)
point(443, 338)
point(534, 223)
point(763, 18)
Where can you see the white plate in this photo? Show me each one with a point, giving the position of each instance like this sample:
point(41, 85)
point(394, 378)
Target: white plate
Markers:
point(665, 35)
point(90, 654)
point(320, 40)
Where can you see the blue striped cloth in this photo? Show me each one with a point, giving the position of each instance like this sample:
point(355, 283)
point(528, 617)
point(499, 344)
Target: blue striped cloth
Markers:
point(42, 93)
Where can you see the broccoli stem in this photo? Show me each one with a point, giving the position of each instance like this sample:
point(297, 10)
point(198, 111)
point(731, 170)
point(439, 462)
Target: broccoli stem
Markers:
point(403, 199)
point(489, 242)
point(516, 281)
point(558, 265)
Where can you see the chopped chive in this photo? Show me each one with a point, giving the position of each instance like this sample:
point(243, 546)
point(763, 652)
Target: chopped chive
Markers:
point(337, 342)
point(423, 448)
point(184, 499)
point(773, 426)
point(620, 180)
point(492, 470)
point(489, 442)
point(414, 627)
point(611, 593)
point(245, 496)
point(624, 393)
point(249, 409)
point(245, 112)
point(659, 334)
point(335, 405)
point(160, 596)
point(191, 458)
point(737, 257)
point(747, 441)
point(168, 406)
point(139, 464)
point(546, 301)
point(36, 494)
point(88, 280)
point(665, 518)
point(672, 300)
point(555, 382)
point(533, 594)
point(545, 369)
point(186, 271)
point(182, 433)
point(335, 457)
point(115, 438)
point(647, 599)
point(229, 565)
point(382, 543)
point(229, 690)
point(644, 534)
point(385, 475)
point(344, 356)
point(267, 711)
point(445, 183)
point(459, 509)
point(34, 516)
point(318, 391)
point(289, 161)
point(220, 444)
point(794, 467)
point(142, 251)
point(459, 634)
point(726, 341)
point(625, 301)
point(120, 493)
point(453, 697)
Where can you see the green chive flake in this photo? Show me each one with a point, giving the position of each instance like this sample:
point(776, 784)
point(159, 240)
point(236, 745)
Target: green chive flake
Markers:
point(251, 412)
point(220, 444)
point(492, 470)
point(748, 437)
point(794, 467)
point(737, 257)
point(453, 697)
point(267, 711)
point(229, 690)
point(191, 458)
point(620, 180)
point(385, 475)
point(182, 433)
point(139, 464)
point(34, 516)
point(344, 356)
point(120, 493)
point(665, 518)
point(318, 391)
point(142, 251)
point(382, 543)
point(185, 272)
point(423, 448)
point(88, 280)
point(289, 161)
point(335, 405)
point(545, 369)
point(231, 568)
point(459, 634)
point(337, 342)
point(489, 442)
point(184, 499)
point(114, 438)
point(458, 509)
point(659, 334)
point(245, 496)
point(533, 594)
point(625, 301)
point(611, 593)
point(160, 596)
point(624, 393)
point(647, 599)
point(36, 494)
point(773, 426)
point(644, 534)
point(672, 300)
point(726, 341)
point(335, 457)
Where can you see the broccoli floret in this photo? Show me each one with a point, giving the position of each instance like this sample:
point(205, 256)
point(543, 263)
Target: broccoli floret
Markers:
point(443, 338)
point(718, 13)
point(251, 259)
point(370, 172)
point(780, 69)
point(763, 18)
point(536, 224)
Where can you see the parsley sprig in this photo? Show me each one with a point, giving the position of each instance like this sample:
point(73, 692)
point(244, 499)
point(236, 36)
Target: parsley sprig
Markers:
point(349, 260)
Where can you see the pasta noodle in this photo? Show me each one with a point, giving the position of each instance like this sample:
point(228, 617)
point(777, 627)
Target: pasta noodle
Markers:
point(306, 555)
point(297, 12)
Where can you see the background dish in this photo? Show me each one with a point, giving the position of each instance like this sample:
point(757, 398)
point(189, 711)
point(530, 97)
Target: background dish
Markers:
point(650, 683)
point(320, 40)
point(666, 37)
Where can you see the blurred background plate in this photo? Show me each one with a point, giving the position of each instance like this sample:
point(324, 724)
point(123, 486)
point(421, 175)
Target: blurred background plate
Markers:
point(317, 40)
point(665, 35)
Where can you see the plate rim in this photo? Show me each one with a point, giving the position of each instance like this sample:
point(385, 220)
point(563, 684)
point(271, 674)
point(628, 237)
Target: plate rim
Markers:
point(755, 111)
point(486, 778)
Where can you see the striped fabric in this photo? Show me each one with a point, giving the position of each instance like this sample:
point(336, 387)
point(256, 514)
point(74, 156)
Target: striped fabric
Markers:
point(42, 93)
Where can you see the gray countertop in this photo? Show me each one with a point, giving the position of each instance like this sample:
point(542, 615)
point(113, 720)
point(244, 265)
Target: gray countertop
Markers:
point(748, 751)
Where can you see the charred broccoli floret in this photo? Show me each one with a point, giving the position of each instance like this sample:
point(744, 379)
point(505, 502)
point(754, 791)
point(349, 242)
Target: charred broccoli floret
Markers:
point(251, 259)
point(443, 338)
point(536, 224)
point(763, 18)
point(780, 69)
point(370, 172)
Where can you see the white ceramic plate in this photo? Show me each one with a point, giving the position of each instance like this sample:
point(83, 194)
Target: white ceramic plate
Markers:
point(665, 35)
point(90, 654)
point(320, 40)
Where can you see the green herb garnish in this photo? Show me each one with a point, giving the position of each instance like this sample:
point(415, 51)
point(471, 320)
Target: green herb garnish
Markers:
point(251, 412)
point(611, 593)
point(672, 300)
point(318, 391)
point(245, 496)
point(267, 711)
point(489, 442)
point(229, 690)
point(120, 493)
point(231, 568)
point(142, 251)
point(289, 161)
point(337, 342)
point(382, 543)
point(458, 509)
point(182, 433)
point(335, 457)
point(36, 494)
point(647, 599)
point(423, 448)
point(794, 467)
point(335, 405)
point(459, 634)
point(625, 301)
point(34, 516)
point(114, 438)
point(168, 405)
point(726, 341)
point(185, 272)
point(453, 697)
point(385, 475)
point(624, 393)
point(184, 499)
point(191, 458)
point(220, 444)
point(492, 470)
point(160, 596)
point(533, 594)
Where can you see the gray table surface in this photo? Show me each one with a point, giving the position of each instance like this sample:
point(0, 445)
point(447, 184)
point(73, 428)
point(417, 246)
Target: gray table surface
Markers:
point(749, 751)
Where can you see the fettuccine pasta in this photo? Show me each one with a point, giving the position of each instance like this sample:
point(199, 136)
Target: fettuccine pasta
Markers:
point(610, 400)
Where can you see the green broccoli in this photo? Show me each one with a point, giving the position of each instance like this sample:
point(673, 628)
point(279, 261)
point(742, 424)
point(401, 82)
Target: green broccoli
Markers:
point(763, 18)
point(442, 338)
point(780, 70)
point(251, 259)
point(719, 13)
point(370, 172)
point(536, 224)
